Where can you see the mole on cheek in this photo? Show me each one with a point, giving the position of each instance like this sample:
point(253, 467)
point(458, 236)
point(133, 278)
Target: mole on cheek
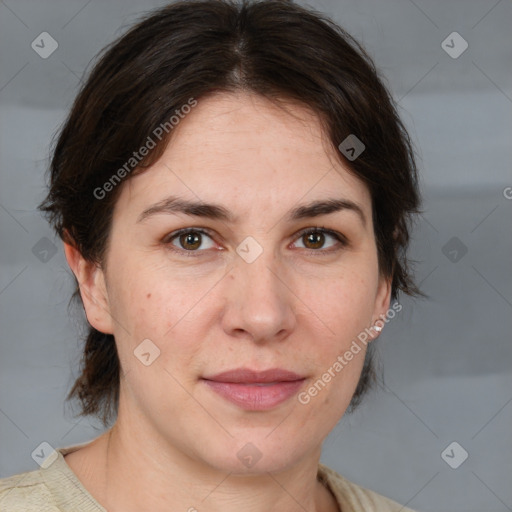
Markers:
point(148, 295)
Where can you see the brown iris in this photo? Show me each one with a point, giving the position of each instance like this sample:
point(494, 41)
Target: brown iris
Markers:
point(316, 238)
point(192, 240)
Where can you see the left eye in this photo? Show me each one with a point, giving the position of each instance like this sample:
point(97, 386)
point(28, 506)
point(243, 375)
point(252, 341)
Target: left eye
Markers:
point(316, 238)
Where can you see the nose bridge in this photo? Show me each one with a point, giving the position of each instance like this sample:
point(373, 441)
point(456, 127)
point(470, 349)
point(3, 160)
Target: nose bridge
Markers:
point(258, 300)
point(257, 269)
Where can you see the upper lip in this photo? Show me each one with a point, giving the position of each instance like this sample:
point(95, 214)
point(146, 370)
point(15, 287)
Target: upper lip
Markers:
point(247, 376)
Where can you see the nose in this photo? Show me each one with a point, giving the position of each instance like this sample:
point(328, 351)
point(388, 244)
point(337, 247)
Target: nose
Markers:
point(258, 301)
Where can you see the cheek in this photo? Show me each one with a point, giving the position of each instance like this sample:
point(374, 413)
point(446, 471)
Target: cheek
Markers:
point(156, 344)
point(345, 308)
point(345, 305)
point(169, 313)
point(147, 301)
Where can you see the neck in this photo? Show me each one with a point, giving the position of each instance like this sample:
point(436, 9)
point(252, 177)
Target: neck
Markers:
point(142, 476)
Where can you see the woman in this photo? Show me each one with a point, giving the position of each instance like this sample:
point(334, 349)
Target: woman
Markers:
point(234, 191)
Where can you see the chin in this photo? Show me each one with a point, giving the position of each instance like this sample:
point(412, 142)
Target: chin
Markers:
point(257, 454)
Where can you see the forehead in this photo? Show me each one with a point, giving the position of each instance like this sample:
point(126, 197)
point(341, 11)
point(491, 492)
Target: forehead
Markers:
point(244, 151)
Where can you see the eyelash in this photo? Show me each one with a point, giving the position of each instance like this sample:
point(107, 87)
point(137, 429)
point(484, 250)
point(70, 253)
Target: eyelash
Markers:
point(341, 239)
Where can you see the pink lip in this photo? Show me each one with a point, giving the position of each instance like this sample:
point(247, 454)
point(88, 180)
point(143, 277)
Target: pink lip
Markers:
point(255, 391)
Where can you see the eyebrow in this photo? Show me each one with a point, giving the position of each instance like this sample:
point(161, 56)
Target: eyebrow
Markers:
point(176, 205)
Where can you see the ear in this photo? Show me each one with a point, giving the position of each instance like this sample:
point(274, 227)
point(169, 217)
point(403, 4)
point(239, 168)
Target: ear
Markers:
point(382, 302)
point(93, 290)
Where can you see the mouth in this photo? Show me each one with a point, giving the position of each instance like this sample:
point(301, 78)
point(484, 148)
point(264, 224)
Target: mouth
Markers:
point(253, 390)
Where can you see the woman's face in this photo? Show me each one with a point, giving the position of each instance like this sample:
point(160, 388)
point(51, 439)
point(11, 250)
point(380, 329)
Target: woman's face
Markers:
point(259, 290)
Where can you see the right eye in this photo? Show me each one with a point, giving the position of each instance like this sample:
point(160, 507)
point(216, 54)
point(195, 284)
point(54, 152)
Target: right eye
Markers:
point(189, 240)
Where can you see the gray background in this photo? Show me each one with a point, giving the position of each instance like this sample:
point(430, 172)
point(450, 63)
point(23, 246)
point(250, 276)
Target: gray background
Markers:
point(447, 359)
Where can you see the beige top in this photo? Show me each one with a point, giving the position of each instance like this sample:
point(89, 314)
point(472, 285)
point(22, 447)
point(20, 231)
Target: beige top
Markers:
point(57, 489)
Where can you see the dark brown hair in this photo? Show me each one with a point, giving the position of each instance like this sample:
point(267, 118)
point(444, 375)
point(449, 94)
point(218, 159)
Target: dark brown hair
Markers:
point(190, 49)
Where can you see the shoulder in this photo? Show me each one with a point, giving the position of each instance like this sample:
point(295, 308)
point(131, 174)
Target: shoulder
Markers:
point(51, 488)
point(26, 492)
point(352, 497)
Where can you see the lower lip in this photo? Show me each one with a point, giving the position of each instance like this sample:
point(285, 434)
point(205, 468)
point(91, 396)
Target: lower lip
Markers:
point(253, 397)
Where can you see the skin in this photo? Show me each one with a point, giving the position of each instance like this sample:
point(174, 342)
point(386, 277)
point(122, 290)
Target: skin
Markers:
point(175, 440)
